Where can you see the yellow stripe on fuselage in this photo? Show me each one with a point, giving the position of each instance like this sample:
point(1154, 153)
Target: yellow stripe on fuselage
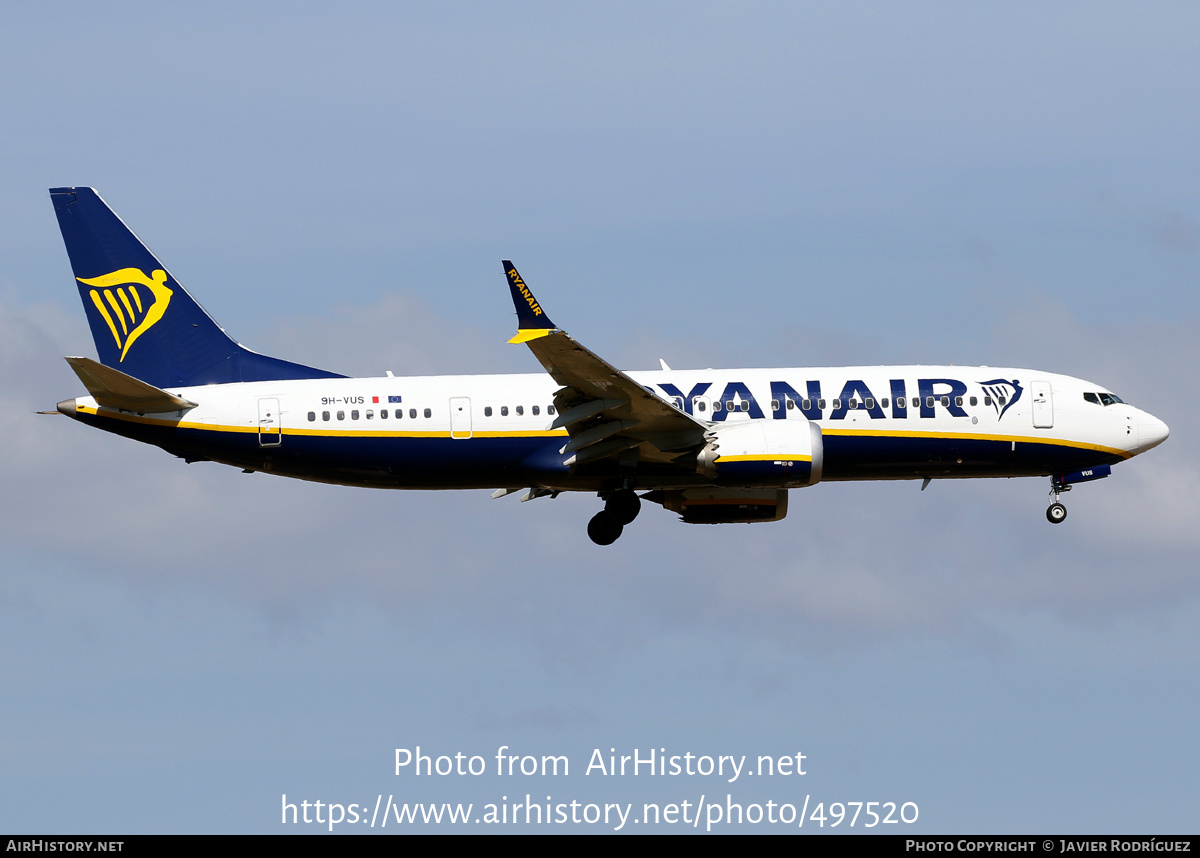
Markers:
point(764, 457)
point(326, 433)
point(550, 433)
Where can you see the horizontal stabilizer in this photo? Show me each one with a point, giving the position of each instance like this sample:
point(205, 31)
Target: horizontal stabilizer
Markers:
point(112, 388)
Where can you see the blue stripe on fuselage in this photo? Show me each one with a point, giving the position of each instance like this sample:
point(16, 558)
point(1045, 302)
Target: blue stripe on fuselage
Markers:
point(488, 462)
point(866, 457)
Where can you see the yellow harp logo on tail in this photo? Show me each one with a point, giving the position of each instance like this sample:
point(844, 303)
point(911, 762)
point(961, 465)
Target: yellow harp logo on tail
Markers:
point(127, 311)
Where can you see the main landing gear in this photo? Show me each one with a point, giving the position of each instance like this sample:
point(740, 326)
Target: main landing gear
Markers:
point(620, 508)
point(1056, 513)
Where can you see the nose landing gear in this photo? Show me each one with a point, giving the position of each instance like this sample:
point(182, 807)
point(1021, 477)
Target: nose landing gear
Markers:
point(1056, 513)
point(620, 508)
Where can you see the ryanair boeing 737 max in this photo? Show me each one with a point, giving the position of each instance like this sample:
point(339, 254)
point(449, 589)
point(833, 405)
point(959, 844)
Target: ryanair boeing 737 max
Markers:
point(713, 446)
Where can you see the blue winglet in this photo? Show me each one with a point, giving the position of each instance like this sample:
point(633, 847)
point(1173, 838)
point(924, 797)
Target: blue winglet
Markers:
point(532, 321)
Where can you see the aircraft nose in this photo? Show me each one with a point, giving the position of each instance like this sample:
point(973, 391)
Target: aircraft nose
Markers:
point(1151, 431)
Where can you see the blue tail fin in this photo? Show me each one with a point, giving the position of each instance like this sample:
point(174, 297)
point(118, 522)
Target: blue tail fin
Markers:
point(143, 321)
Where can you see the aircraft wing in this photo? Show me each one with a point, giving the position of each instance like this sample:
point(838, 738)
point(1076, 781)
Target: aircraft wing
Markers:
point(605, 412)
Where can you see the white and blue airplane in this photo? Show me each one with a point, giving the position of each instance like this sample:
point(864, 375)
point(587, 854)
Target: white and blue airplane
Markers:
point(714, 446)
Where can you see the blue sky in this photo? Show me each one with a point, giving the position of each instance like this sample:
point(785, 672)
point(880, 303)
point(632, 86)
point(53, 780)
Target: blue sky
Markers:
point(773, 185)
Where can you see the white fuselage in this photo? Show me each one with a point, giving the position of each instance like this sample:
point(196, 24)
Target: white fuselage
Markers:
point(485, 431)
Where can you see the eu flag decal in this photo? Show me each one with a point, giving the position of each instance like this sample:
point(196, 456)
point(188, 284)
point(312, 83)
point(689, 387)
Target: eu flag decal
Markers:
point(393, 399)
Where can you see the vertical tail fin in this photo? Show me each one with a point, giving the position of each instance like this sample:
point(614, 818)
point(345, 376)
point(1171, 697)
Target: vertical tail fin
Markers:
point(143, 321)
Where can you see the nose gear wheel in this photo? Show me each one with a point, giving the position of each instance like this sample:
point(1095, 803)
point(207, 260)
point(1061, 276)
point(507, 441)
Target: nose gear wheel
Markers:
point(1056, 513)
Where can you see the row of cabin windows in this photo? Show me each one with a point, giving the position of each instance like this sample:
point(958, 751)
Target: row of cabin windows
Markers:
point(701, 405)
point(535, 410)
point(519, 410)
point(370, 414)
point(853, 404)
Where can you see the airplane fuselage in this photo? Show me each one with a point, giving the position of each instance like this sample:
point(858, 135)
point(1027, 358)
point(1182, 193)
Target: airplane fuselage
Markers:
point(488, 431)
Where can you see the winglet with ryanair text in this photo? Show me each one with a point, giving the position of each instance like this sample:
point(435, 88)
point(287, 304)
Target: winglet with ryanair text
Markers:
point(532, 321)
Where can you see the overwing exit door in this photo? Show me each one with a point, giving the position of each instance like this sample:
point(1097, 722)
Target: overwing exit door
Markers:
point(460, 417)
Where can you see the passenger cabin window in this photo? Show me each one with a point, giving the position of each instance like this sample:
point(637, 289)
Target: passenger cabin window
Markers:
point(987, 400)
point(354, 414)
point(487, 411)
point(341, 415)
point(520, 409)
point(412, 412)
point(853, 404)
point(503, 411)
point(550, 410)
point(884, 402)
point(791, 405)
point(958, 400)
point(916, 402)
point(370, 414)
point(774, 404)
point(901, 402)
point(383, 413)
point(717, 405)
point(929, 402)
point(745, 405)
point(837, 404)
point(821, 404)
point(535, 411)
point(700, 405)
point(974, 400)
point(945, 401)
point(868, 403)
point(324, 415)
point(1000, 400)
point(428, 412)
point(312, 416)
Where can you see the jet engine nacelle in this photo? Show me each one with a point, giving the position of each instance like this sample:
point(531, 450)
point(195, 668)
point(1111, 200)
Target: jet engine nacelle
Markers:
point(781, 453)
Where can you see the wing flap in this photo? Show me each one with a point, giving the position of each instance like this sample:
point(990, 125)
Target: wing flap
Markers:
point(584, 411)
point(597, 433)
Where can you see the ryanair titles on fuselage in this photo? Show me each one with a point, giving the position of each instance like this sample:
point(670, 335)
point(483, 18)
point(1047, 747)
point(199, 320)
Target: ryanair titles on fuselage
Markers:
point(855, 395)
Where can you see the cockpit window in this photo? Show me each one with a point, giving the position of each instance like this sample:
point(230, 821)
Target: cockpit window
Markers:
point(1091, 397)
point(1109, 399)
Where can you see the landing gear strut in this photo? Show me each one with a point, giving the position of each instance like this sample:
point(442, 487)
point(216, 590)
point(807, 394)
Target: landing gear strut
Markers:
point(620, 508)
point(1056, 513)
